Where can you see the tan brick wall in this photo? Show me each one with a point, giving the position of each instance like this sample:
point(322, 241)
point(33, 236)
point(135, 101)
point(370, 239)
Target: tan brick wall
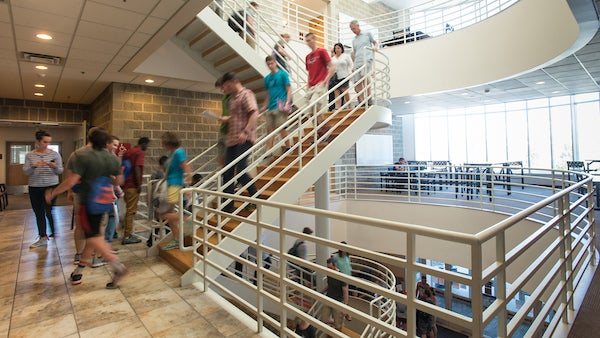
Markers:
point(41, 111)
point(150, 111)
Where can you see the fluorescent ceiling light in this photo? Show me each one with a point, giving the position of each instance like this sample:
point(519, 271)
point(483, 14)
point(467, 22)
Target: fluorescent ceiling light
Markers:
point(39, 85)
point(149, 81)
point(540, 82)
point(38, 94)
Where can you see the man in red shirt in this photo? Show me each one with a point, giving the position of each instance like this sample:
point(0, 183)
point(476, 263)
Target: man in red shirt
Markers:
point(320, 70)
point(133, 186)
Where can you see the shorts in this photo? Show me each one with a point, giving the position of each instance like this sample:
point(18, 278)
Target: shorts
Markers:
point(360, 75)
point(90, 224)
point(275, 118)
point(314, 92)
point(345, 83)
point(173, 194)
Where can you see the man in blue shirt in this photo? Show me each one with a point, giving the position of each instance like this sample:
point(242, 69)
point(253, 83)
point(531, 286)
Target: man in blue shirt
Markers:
point(362, 57)
point(278, 102)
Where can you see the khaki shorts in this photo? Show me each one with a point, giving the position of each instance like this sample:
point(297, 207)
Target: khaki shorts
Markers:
point(173, 194)
point(314, 92)
point(275, 118)
point(360, 75)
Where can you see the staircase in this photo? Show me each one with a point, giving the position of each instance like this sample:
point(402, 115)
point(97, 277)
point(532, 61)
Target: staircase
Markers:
point(291, 173)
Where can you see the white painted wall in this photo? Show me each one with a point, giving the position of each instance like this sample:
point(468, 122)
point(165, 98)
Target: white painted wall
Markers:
point(528, 35)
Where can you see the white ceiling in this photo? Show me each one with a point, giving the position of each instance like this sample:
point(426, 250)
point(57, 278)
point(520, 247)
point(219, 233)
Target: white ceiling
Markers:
point(104, 41)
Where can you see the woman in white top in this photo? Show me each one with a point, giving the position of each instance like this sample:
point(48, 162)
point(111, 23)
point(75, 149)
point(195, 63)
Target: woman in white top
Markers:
point(343, 68)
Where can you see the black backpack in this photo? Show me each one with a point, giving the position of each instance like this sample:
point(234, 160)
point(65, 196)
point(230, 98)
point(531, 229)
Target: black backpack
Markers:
point(294, 249)
point(236, 21)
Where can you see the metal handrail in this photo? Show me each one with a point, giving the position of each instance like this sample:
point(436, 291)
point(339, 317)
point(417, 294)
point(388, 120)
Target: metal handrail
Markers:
point(573, 216)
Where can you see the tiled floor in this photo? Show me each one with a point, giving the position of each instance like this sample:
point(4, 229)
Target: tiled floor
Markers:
point(38, 300)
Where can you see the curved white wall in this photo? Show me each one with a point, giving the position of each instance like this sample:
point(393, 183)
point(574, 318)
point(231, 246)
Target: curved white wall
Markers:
point(525, 36)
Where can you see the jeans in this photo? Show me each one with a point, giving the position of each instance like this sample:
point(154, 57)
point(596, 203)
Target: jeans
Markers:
point(41, 209)
point(231, 154)
point(111, 226)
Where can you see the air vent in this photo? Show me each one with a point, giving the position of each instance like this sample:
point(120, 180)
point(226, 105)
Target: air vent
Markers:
point(41, 58)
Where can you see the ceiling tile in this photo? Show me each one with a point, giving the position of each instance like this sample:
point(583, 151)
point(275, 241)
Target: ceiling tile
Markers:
point(81, 42)
point(27, 33)
point(111, 16)
point(139, 6)
point(68, 8)
point(4, 14)
point(101, 32)
point(84, 64)
point(151, 25)
point(139, 39)
point(84, 54)
point(5, 30)
point(43, 21)
point(166, 8)
point(39, 48)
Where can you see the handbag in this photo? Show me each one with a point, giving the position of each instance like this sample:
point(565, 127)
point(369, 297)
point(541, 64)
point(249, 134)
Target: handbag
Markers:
point(160, 200)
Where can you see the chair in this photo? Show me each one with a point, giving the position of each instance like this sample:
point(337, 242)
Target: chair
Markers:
point(576, 166)
point(443, 170)
point(3, 197)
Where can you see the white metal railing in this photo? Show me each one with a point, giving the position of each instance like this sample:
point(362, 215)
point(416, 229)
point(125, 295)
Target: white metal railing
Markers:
point(562, 208)
point(432, 18)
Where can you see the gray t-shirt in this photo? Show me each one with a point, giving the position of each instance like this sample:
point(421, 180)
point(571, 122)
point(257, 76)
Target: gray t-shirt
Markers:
point(91, 164)
point(361, 41)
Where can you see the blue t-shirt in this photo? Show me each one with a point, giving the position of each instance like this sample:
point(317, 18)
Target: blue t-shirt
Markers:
point(276, 85)
point(175, 174)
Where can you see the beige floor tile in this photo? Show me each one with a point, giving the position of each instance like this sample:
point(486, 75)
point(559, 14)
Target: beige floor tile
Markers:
point(61, 326)
point(169, 316)
point(7, 288)
point(103, 314)
point(130, 327)
point(149, 301)
point(142, 286)
point(224, 322)
point(198, 328)
point(26, 314)
point(96, 298)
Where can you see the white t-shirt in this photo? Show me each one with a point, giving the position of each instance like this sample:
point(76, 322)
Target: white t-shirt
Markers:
point(343, 65)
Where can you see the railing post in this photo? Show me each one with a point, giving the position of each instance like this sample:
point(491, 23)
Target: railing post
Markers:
point(259, 274)
point(591, 219)
point(283, 266)
point(476, 285)
point(411, 257)
point(501, 282)
point(562, 204)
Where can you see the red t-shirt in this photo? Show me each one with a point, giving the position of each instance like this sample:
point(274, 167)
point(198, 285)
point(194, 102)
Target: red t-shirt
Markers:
point(316, 65)
point(136, 156)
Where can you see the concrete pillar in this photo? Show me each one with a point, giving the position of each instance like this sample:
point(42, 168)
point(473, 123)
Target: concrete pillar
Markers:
point(322, 224)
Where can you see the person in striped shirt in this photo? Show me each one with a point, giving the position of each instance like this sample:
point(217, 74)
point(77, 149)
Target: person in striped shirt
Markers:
point(42, 165)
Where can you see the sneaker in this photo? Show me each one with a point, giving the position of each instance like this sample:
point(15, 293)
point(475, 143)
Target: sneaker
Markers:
point(119, 271)
point(76, 278)
point(98, 262)
point(130, 240)
point(76, 259)
point(53, 236)
point(174, 244)
point(116, 236)
point(40, 242)
point(114, 251)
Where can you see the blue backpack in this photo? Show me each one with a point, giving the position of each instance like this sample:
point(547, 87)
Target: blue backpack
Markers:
point(126, 166)
point(101, 196)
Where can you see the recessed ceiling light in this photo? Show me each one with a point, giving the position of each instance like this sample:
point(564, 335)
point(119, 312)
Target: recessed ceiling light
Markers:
point(43, 36)
point(556, 92)
point(406, 102)
point(38, 94)
point(41, 67)
point(39, 85)
point(540, 82)
point(149, 81)
point(464, 94)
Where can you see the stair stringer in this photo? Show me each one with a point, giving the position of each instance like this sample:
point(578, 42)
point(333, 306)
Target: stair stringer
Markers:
point(292, 190)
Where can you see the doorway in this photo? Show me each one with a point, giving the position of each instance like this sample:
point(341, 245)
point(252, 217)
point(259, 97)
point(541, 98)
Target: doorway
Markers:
point(16, 180)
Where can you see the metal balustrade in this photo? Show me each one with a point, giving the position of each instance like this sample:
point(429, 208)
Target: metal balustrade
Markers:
point(563, 214)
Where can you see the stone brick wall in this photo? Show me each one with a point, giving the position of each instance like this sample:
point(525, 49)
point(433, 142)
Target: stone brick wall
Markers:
point(139, 110)
point(41, 111)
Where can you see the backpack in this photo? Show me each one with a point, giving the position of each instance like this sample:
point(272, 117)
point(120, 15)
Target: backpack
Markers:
point(101, 196)
point(236, 17)
point(160, 200)
point(126, 167)
point(294, 249)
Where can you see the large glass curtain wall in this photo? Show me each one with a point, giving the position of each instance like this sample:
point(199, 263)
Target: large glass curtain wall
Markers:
point(542, 133)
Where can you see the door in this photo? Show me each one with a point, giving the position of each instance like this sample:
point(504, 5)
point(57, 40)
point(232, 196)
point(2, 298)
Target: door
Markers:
point(16, 181)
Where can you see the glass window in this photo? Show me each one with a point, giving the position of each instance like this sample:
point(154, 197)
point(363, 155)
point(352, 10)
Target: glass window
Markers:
point(562, 144)
point(585, 97)
point(587, 117)
point(439, 137)
point(516, 136)
point(457, 139)
point(422, 138)
point(496, 137)
point(18, 153)
point(476, 143)
point(539, 138)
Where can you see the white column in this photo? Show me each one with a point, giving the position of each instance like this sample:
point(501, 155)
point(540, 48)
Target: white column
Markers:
point(322, 224)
